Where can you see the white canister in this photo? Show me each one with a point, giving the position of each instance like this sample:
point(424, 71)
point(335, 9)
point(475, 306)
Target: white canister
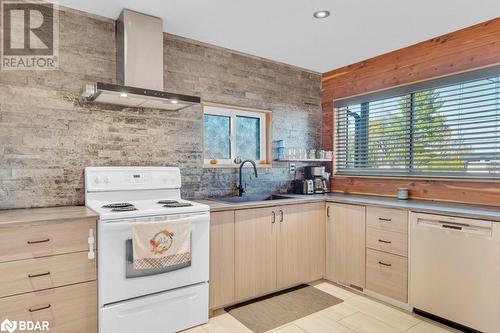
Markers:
point(402, 193)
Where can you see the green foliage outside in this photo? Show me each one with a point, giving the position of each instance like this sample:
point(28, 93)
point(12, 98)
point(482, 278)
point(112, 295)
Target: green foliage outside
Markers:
point(389, 141)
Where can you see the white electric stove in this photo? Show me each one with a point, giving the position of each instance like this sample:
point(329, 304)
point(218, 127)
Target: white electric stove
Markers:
point(154, 300)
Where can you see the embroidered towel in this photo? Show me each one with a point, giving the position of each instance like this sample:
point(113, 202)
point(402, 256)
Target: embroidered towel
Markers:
point(161, 244)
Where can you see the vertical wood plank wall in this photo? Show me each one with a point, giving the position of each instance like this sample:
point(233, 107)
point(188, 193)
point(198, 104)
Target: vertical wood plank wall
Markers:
point(474, 47)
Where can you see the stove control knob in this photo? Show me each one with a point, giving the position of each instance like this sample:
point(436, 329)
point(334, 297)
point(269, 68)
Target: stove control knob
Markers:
point(107, 180)
point(97, 180)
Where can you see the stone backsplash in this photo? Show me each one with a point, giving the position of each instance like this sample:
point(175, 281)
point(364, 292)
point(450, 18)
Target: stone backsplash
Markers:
point(48, 135)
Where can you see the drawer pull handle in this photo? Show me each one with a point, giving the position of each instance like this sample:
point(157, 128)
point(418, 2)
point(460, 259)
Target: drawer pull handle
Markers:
point(454, 227)
point(384, 241)
point(384, 219)
point(384, 264)
point(39, 241)
point(38, 275)
point(48, 306)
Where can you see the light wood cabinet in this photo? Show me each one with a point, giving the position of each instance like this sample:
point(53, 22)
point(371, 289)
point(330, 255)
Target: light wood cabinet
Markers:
point(70, 309)
point(387, 274)
point(345, 244)
point(43, 238)
point(387, 241)
point(221, 259)
point(300, 244)
point(292, 255)
point(388, 219)
point(22, 276)
point(255, 252)
point(314, 216)
point(387, 251)
point(45, 272)
point(278, 247)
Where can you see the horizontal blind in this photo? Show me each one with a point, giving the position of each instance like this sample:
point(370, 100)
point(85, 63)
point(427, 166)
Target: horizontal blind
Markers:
point(449, 131)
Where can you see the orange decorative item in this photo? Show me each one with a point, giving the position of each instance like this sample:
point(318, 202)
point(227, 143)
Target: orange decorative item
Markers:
point(161, 242)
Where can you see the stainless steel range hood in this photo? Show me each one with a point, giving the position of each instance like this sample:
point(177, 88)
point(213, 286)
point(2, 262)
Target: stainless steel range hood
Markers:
point(139, 67)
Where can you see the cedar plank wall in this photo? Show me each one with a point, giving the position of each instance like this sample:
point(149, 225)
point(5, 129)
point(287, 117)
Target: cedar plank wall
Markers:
point(467, 49)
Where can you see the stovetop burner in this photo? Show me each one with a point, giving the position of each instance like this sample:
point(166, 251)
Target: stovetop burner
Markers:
point(168, 202)
point(118, 205)
point(124, 209)
point(177, 204)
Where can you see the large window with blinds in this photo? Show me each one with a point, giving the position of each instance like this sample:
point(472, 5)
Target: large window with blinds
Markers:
point(448, 131)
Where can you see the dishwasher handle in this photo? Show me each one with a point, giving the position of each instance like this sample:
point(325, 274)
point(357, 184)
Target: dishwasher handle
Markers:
point(481, 228)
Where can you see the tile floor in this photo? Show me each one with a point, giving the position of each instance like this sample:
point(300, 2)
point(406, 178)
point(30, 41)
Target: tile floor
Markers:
point(357, 314)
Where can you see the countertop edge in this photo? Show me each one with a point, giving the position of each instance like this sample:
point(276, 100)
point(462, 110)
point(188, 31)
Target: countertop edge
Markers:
point(434, 207)
point(49, 214)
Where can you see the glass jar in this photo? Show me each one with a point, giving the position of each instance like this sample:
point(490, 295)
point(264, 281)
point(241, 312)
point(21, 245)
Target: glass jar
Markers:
point(320, 154)
point(312, 154)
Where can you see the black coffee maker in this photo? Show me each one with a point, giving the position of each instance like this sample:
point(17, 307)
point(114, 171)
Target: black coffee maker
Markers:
point(317, 175)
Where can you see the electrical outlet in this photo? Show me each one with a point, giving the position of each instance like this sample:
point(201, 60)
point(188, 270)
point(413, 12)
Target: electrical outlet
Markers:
point(292, 168)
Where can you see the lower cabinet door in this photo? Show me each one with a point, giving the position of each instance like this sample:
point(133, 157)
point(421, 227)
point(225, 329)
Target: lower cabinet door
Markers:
point(345, 254)
point(292, 253)
point(70, 309)
point(314, 216)
point(221, 259)
point(255, 251)
point(301, 244)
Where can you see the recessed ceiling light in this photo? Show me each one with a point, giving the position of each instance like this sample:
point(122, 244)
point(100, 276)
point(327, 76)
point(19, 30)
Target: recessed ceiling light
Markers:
point(123, 94)
point(174, 101)
point(321, 14)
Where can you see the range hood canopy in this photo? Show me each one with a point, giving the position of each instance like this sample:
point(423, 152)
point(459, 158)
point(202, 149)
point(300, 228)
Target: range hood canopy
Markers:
point(139, 67)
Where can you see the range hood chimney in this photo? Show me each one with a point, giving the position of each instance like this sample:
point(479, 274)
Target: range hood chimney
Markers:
point(139, 67)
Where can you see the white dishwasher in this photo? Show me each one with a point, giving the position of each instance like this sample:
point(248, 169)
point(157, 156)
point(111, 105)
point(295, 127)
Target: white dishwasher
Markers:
point(455, 269)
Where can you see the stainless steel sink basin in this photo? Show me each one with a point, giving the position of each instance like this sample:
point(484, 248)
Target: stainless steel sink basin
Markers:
point(251, 198)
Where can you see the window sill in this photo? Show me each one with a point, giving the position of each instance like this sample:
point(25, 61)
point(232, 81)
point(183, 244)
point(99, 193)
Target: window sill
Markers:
point(416, 178)
point(234, 166)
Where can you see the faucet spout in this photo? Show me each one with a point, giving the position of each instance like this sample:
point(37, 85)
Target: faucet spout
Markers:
point(241, 188)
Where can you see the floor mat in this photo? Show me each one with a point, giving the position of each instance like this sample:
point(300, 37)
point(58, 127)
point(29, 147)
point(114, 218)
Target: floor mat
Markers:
point(266, 313)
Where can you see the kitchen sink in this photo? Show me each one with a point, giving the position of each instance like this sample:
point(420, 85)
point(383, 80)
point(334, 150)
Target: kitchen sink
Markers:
point(251, 198)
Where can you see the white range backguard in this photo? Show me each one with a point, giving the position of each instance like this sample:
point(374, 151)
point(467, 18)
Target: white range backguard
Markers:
point(146, 300)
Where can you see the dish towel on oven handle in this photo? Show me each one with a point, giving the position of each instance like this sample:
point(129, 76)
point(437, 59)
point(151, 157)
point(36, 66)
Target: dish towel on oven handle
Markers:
point(161, 244)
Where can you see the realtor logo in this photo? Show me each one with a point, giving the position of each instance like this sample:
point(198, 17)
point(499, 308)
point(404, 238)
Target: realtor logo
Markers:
point(8, 326)
point(30, 35)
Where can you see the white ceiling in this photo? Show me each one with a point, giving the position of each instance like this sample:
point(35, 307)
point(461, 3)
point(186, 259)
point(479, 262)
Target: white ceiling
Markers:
point(285, 31)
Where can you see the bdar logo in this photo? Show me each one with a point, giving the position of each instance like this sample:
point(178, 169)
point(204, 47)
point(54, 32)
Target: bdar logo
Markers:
point(8, 326)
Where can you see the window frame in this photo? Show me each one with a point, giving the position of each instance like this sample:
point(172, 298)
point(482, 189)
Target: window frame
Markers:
point(233, 112)
point(409, 171)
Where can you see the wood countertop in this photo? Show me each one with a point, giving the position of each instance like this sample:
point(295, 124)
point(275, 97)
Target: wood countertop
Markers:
point(427, 206)
point(27, 215)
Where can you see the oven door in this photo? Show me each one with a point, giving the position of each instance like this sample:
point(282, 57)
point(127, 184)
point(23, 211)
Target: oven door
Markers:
point(118, 281)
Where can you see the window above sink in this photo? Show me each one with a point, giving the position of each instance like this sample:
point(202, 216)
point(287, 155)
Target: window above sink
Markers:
point(233, 133)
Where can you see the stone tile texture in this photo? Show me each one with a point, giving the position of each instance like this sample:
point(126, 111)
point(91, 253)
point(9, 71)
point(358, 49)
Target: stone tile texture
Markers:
point(48, 134)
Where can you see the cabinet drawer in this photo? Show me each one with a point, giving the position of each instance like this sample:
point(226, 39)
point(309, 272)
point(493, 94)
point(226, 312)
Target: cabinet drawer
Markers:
point(22, 276)
point(387, 274)
point(387, 241)
point(32, 240)
point(387, 219)
point(71, 309)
